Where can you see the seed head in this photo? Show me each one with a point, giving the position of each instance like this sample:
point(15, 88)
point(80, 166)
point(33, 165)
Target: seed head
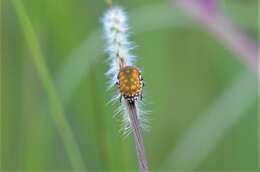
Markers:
point(121, 65)
point(118, 46)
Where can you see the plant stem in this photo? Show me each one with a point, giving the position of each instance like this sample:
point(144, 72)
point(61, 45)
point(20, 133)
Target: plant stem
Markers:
point(223, 29)
point(55, 105)
point(138, 137)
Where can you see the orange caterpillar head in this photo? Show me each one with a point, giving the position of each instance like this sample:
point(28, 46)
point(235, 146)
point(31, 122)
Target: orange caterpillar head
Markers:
point(130, 83)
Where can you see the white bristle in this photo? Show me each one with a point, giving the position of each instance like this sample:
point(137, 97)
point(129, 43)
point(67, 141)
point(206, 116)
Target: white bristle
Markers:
point(116, 34)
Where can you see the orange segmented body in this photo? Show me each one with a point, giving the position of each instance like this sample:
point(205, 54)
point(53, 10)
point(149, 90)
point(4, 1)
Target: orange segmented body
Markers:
point(130, 82)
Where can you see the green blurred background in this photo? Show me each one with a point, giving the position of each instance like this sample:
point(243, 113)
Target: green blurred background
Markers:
point(202, 100)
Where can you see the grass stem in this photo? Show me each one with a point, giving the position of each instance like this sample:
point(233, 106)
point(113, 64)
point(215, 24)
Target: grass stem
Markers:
point(138, 137)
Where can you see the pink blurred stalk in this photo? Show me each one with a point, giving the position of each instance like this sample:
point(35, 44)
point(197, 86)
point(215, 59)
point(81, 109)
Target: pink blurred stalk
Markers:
point(209, 14)
point(138, 136)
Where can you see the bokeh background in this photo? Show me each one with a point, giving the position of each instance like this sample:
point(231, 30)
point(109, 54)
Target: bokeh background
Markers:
point(202, 99)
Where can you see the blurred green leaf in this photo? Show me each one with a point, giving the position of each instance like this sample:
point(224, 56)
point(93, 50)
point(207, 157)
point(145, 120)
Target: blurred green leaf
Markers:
point(203, 136)
point(54, 102)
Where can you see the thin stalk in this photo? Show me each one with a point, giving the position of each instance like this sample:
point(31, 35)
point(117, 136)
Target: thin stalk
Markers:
point(138, 137)
point(55, 105)
point(223, 29)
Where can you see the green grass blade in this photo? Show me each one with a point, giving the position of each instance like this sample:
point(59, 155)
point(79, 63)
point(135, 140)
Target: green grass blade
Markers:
point(54, 102)
point(209, 130)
